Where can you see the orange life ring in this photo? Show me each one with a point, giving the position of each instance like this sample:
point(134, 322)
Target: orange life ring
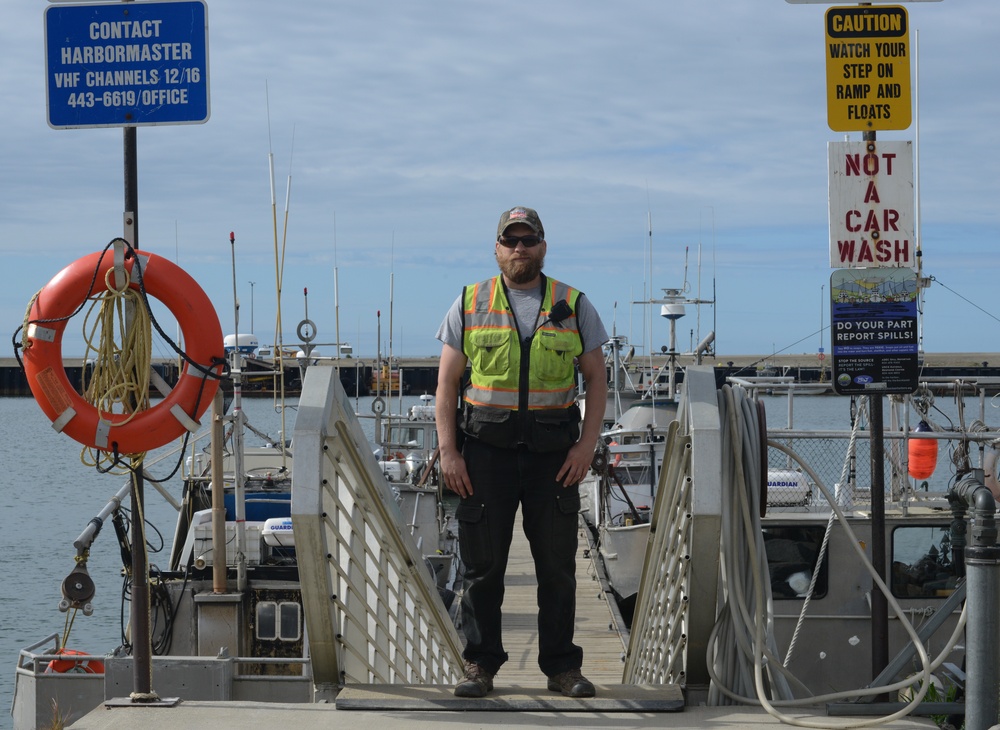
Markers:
point(67, 409)
point(87, 666)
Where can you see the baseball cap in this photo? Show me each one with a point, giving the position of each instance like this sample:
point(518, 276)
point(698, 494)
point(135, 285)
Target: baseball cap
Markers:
point(520, 214)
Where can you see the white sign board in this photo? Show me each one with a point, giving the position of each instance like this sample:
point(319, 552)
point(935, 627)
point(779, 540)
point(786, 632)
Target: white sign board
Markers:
point(871, 205)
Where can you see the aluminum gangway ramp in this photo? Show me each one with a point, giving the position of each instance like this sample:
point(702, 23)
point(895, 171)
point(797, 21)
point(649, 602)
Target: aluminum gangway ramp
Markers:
point(520, 684)
point(379, 635)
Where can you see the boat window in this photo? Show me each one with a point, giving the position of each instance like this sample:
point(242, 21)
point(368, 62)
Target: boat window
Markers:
point(922, 565)
point(279, 621)
point(410, 437)
point(792, 551)
point(633, 475)
point(291, 621)
point(267, 624)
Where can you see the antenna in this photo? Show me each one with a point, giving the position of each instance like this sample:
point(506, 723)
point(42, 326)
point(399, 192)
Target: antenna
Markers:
point(279, 263)
point(916, 194)
point(336, 289)
point(392, 273)
point(278, 349)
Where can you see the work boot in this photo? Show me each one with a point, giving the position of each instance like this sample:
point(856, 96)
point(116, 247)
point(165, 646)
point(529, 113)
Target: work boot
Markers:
point(476, 682)
point(571, 683)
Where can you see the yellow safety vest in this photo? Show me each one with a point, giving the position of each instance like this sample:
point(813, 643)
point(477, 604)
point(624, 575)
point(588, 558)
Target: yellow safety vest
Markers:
point(490, 342)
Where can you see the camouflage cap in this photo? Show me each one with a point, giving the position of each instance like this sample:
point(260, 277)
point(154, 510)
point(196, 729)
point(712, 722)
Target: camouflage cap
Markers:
point(520, 214)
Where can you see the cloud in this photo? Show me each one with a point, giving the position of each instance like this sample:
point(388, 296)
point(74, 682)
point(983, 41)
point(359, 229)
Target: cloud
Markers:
point(404, 129)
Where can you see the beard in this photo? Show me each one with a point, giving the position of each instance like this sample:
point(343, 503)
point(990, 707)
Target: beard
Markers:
point(521, 272)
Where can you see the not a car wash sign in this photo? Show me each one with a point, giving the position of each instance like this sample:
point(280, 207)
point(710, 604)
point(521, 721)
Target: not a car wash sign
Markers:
point(871, 205)
point(874, 331)
point(126, 64)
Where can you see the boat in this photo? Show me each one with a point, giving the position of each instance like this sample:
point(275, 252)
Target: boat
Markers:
point(618, 495)
point(387, 379)
point(408, 446)
point(407, 453)
point(786, 560)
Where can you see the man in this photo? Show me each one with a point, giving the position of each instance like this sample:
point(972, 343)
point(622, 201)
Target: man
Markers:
point(523, 444)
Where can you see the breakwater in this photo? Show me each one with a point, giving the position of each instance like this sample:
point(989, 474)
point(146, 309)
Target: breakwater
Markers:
point(419, 375)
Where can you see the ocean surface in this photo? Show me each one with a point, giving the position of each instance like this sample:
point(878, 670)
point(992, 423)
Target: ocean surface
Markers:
point(48, 496)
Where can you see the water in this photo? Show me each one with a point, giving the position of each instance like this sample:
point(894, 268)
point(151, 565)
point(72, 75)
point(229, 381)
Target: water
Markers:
point(48, 497)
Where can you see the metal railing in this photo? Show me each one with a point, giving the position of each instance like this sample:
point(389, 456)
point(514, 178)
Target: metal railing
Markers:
point(373, 613)
point(658, 642)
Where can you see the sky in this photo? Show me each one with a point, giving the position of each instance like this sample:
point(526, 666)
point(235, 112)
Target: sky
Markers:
point(664, 145)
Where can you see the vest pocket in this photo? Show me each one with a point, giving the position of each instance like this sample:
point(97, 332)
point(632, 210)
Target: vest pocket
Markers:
point(552, 357)
point(490, 351)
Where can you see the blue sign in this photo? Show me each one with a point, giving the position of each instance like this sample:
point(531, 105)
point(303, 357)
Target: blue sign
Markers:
point(126, 64)
point(874, 330)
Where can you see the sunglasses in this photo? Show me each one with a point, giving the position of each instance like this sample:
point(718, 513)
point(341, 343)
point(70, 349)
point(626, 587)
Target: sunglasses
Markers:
point(512, 241)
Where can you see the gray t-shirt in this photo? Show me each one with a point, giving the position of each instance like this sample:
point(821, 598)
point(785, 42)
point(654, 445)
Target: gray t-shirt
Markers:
point(525, 304)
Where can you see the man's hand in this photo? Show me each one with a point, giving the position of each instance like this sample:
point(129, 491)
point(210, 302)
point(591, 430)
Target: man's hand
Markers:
point(454, 472)
point(577, 464)
point(581, 455)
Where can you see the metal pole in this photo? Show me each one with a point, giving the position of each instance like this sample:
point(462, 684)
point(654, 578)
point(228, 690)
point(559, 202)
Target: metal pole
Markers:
point(142, 642)
point(236, 369)
point(982, 633)
point(880, 606)
point(219, 562)
point(251, 309)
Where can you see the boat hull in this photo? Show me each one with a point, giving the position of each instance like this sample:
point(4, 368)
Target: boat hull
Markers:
point(622, 550)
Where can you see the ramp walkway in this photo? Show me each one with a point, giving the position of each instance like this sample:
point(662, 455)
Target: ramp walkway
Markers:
point(520, 684)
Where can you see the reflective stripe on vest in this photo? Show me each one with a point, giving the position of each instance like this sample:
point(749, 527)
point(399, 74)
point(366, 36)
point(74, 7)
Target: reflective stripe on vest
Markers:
point(490, 342)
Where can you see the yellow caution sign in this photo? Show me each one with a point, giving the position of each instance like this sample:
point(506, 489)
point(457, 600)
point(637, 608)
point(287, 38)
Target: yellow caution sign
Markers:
point(868, 68)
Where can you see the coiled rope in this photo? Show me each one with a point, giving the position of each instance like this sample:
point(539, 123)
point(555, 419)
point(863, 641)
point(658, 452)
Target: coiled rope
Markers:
point(748, 630)
point(121, 342)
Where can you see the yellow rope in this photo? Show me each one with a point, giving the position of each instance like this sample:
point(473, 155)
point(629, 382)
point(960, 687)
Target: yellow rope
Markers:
point(122, 355)
point(67, 627)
